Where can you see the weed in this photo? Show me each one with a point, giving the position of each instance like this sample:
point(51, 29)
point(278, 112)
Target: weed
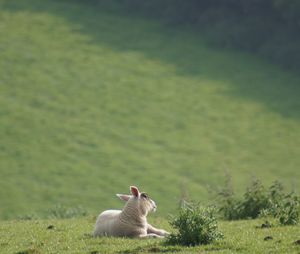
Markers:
point(255, 199)
point(196, 225)
point(286, 210)
point(258, 201)
point(289, 213)
point(227, 203)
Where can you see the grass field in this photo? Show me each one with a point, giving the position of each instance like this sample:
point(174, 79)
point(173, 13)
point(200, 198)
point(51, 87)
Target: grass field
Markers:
point(74, 236)
point(92, 101)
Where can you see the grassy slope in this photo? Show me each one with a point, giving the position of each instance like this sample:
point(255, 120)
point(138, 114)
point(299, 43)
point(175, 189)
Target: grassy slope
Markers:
point(92, 101)
point(73, 236)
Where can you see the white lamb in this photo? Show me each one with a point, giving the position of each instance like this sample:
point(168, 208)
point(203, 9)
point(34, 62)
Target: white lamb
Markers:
point(131, 221)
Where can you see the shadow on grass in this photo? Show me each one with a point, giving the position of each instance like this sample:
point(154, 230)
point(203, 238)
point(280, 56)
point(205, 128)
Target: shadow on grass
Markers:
point(246, 77)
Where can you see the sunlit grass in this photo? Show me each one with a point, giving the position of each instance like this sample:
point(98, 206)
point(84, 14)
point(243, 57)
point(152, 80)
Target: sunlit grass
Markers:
point(74, 236)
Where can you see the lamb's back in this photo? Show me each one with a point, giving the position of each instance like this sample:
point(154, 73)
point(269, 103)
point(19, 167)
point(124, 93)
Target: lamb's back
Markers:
point(105, 224)
point(109, 224)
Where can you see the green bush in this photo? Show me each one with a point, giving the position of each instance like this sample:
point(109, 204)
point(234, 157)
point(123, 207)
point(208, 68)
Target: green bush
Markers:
point(255, 199)
point(227, 203)
point(286, 209)
point(195, 225)
point(289, 211)
point(259, 201)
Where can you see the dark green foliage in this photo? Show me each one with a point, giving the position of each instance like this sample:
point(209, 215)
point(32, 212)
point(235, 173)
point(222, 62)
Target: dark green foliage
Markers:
point(227, 202)
point(196, 225)
point(286, 208)
point(289, 212)
point(255, 199)
point(259, 201)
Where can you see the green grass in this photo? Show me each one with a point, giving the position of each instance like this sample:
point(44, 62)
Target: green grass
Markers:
point(92, 101)
point(74, 236)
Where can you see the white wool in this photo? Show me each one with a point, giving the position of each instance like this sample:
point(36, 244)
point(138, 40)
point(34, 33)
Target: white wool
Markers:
point(129, 222)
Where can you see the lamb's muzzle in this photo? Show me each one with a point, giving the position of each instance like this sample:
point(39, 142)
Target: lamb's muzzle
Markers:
point(131, 221)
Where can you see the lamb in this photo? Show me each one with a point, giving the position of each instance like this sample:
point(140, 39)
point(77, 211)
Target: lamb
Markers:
point(131, 221)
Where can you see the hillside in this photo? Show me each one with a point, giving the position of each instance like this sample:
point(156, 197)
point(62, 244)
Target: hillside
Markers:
point(92, 101)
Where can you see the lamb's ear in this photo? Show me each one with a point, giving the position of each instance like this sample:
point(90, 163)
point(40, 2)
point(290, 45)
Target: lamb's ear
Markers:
point(123, 197)
point(135, 191)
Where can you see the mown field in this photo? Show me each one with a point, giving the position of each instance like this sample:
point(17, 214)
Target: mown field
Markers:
point(93, 100)
point(74, 236)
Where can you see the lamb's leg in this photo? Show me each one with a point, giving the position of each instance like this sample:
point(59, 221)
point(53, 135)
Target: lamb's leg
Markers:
point(152, 235)
point(153, 230)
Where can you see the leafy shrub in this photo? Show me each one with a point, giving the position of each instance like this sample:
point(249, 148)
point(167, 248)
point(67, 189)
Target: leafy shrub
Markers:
point(228, 204)
point(286, 209)
point(255, 199)
point(196, 225)
point(259, 201)
point(289, 211)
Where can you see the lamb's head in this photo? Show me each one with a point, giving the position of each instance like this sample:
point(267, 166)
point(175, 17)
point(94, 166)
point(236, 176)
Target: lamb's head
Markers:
point(139, 200)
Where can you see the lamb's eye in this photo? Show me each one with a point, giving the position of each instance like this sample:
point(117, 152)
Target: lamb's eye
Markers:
point(144, 195)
